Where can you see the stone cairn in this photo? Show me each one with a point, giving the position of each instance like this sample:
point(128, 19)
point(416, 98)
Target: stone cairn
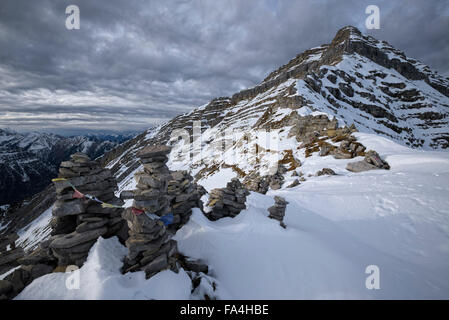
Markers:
point(78, 221)
point(277, 211)
point(183, 195)
point(149, 243)
point(227, 202)
point(8, 258)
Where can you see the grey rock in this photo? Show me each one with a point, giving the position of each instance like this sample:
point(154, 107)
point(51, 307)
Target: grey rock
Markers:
point(11, 256)
point(5, 287)
point(158, 264)
point(127, 194)
point(87, 226)
point(372, 157)
point(326, 171)
point(38, 270)
point(80, 157)
point(153, 151)
point(195, 266)
point(66, 208)
point(360, 166)
point(294, 183)
point(75, 238)
point(38, 256)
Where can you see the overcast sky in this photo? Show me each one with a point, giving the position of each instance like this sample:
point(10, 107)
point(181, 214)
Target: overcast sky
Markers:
point(134, 64)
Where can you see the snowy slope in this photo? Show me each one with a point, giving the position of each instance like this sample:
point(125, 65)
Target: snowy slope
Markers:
point(336, 227)
point(100, 278)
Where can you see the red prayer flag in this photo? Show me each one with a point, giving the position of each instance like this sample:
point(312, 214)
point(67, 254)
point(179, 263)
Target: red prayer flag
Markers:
point(77, 195)
point(137, 211)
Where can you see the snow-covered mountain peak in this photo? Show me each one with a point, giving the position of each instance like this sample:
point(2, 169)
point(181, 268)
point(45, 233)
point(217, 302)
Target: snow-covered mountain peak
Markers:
point(355, 78)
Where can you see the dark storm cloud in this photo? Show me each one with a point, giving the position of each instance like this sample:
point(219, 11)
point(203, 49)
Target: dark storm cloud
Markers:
point(138, 63)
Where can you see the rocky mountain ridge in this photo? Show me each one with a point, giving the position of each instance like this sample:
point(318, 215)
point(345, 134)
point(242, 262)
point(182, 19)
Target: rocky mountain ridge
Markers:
point(355, 80)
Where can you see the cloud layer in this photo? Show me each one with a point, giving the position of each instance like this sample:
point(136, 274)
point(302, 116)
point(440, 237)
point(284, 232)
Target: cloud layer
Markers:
point(134, 64)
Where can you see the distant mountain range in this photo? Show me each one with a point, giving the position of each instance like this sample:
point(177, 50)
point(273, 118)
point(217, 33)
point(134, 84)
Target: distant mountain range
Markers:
point(28, 161)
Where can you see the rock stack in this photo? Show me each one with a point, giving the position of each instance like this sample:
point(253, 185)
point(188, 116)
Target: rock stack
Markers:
point(152, 182)
point(9, 256)
point(149, 244)
point(183, 196)
point(372, 161)
point(78, 221)
point(227, 202)
point(277, 211)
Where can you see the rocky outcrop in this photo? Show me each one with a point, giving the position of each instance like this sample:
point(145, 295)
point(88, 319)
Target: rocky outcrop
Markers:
point(372, 161)
point(277, 211)
point(9, 253)
point(10, 256)
point(261, 184)
point(307, 128)
point(78, 221)
point(149, 243)
point(227, 202)
point(16, 281)
point(324, 141)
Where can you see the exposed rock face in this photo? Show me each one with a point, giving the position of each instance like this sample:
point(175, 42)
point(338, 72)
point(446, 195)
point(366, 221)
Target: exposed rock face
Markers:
point(149, 244)
point(9, 253)
point(227, 202)
point(8, 240)
point(78, 222)
point(9, 258)
point(324, 141)
point(16, 281)
point(277, 211)
point(307, 128)
point(372, 161)
point(261, 184)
